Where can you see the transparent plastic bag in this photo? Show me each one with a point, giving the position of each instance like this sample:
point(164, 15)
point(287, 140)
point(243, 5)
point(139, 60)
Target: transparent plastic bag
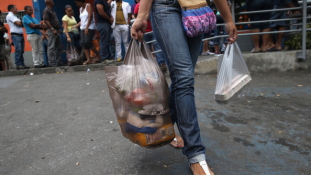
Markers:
point(139, 94)
point(71, 53)
point(233, 74)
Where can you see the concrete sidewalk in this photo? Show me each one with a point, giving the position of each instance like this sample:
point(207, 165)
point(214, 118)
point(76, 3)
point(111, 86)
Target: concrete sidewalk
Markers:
point(60, 124)
point(257, 62)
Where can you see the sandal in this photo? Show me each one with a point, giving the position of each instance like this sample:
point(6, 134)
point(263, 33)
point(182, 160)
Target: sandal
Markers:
point(204, 166)
point(96, 60)
point(86, 62)
point(255, 50)
point(178, 142)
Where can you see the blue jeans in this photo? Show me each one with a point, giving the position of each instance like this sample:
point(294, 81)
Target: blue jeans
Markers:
point(159, 56)
point(45, 44)
point(19, 44)
point(181, 54)
point(104, 30)
point(217, 33)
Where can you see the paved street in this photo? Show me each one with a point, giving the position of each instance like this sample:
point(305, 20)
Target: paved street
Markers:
point(60, 124)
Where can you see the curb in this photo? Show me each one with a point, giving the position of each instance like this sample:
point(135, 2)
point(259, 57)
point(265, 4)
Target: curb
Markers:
point(259, 62)
point(61, 69)
point(256, 62)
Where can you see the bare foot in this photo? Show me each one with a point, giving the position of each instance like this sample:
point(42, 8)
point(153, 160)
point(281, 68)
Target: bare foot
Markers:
point(198, 170)
point(178, 142)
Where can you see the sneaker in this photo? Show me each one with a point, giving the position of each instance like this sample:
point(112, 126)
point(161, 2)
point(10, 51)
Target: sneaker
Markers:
point(217, 54)
point(22, 67)
point(39, 66)
point(119, 60)
point(107, 61)
point(208, 53)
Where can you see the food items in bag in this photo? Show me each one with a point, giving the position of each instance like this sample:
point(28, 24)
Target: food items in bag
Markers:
point(157, 137)
point(136, 123)
point(140, 93)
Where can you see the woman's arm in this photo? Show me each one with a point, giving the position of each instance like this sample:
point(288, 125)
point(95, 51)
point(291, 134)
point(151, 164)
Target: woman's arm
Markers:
point(144, 9)
point(65, 25)
point(78, 25)
point(139, 27)
point(90, 17)
point(225, 13)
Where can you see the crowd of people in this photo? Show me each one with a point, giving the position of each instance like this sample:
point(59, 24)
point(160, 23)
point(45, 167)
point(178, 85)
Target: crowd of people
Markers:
point(99, 30)
point(264, 42)
point(93, 33)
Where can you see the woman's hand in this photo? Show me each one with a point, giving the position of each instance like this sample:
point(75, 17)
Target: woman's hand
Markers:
point(138, 29)
point(86, 31)
point(232, 32)
point(68, 39)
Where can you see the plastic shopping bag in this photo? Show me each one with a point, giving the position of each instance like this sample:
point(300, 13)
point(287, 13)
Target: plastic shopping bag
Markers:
point(233, 74)
point(71, 53)
point(139, 93)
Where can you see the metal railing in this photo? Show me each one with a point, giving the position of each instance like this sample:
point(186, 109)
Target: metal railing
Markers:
point(303, 30)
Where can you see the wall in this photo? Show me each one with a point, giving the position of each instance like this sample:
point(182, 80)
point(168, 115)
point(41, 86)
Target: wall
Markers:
point(39, 6)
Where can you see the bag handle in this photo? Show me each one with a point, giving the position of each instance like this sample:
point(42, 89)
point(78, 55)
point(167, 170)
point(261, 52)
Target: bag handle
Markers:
point(135, 50)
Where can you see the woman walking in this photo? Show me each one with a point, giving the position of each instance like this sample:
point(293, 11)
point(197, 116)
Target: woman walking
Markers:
point(181, 54)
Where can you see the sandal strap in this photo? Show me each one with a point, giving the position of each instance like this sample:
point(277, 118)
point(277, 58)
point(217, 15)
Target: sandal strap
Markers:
point(205, 168)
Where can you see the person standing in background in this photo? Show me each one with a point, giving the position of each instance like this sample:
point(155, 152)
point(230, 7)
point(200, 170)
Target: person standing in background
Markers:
point(16, 29)
point(257, 5)
point(104, 21)
point(133, 8)
point(53, 33)
point(3, 30)
point(277, 25)
point(33, 27)
point(45, 44)
point(9, 64)
point(87, 27)
point(121, 13)
point(71, 31)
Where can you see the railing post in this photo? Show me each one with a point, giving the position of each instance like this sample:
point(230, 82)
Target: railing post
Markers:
point(304, 30)
point(232, 10)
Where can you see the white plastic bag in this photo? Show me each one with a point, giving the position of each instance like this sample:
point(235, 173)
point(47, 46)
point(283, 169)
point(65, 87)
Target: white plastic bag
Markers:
point(233, 74)
point(71, 53)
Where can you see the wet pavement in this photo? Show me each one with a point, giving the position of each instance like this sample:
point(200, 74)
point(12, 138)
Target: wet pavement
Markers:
point(64, 124)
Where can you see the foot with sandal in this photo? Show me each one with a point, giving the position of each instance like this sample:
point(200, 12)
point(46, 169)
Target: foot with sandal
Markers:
point(200, 168)
point(87, 62)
